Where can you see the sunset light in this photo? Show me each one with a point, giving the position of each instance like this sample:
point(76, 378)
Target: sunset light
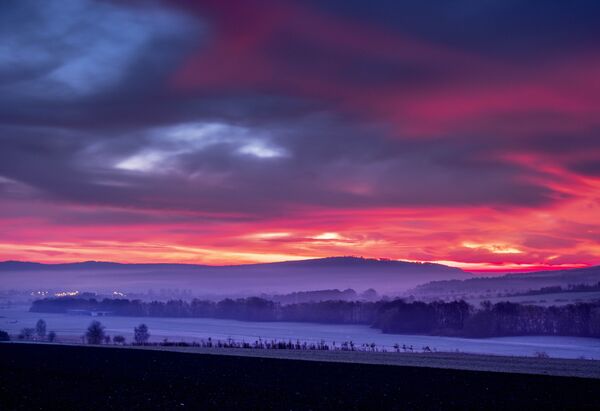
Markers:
point(299, 204)
point(490, 163)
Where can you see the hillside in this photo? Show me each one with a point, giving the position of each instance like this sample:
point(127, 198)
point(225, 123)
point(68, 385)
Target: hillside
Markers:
point(332, 272)
point(511, 282)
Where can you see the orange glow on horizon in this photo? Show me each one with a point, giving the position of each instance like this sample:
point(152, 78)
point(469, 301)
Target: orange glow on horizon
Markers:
point(481, 240)
point(273, 131)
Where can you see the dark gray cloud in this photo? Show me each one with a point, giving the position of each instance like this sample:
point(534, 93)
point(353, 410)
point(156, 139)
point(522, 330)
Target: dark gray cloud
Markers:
point(88, 116)
point(588, 166)
point(64, 60)
point(261, 170)
point(503, 29)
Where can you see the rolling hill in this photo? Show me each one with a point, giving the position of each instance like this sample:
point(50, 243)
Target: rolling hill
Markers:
point(331, 272)
point(511, 282)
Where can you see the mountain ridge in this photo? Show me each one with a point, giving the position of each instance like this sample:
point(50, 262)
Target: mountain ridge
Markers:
point(330, 272)
point(340, 260)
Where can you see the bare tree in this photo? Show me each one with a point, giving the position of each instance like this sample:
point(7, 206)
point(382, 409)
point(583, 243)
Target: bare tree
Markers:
point(95, 333)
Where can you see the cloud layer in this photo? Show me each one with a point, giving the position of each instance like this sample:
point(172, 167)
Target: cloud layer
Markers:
point(200, 131)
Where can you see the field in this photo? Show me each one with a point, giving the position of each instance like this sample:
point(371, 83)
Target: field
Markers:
point(457, 361)
point(71, 327)
point(38, 376)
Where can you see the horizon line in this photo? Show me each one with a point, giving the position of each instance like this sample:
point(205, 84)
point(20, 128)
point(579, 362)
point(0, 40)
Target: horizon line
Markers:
point(468, 267)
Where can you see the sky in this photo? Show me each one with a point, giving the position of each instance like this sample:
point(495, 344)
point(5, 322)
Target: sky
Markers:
point(214, 132)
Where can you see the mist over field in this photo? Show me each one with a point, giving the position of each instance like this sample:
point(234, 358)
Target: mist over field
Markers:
point(234, 199)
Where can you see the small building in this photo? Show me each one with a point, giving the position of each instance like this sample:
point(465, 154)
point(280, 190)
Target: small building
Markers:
point(90, 313)
point(100, 313)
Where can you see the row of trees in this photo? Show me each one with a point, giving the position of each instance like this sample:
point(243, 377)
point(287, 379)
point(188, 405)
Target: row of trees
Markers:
point(95, 334)
point(39, 333)
point(246, 309)
point(555, 289)
point(491, 320)
point(510, 319)
point(399, 316)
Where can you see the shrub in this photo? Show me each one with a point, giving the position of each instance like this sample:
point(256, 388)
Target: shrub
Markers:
point(119, 339)
point(26, 334)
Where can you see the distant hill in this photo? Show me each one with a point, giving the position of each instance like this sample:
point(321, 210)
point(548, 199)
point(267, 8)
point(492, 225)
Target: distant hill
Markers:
point(87, 265)
point(332, 272)
point(511, 282)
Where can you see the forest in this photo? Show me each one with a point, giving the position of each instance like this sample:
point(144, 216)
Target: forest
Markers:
point(456, 318)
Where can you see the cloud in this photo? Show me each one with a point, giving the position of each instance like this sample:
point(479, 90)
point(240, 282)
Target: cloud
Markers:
point(72, 49)
point(252, 116)
point(264, 169)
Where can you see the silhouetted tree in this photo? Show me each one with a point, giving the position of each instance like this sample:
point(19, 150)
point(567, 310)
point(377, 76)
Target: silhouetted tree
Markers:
point(480, 325)
point(51, 336)
point(369, 294)
point(4, 336)
point(40, 329)
point(399, 316)
point(95, 333)
point(141, 334)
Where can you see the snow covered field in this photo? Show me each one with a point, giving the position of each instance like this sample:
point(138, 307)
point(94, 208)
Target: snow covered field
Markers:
point(190, 329)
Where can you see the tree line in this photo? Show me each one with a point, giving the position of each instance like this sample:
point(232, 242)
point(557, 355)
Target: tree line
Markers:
point(571, 288)
point(29, 333)
point(245, 309)
point(95, 334)
point(400, 317)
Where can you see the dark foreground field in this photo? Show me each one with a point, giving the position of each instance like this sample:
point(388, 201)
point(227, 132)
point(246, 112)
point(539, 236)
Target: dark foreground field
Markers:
point(36, 376)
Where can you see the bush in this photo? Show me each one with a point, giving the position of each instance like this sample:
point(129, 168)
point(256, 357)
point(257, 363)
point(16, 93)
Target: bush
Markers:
point(119, 339)
point(26, 334)
point(4, 336)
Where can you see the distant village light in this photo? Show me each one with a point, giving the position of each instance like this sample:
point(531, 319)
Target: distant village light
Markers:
point(66, 293)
